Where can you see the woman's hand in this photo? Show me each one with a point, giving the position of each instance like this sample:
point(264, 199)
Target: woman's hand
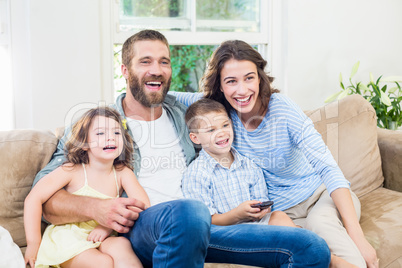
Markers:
point(368, 252)
point(343, 201)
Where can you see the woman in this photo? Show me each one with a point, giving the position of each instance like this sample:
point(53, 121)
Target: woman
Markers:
point(302, 177)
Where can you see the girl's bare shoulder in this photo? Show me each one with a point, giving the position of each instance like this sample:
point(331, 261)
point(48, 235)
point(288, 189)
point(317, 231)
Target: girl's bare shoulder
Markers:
point(123, 171)
point(70, 168)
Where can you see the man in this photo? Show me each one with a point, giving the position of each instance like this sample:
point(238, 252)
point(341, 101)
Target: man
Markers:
point(173, 232)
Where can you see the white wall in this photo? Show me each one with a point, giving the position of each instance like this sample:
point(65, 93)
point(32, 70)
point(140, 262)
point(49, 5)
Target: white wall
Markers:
point(6, 92)
point(56, 59)
point(58, 47)
point(327, 37)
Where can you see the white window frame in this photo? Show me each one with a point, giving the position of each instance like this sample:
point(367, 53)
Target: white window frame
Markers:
point(193, 37)
point(271, 21)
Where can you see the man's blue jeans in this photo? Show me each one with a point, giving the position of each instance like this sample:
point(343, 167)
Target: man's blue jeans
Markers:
point(179, 234)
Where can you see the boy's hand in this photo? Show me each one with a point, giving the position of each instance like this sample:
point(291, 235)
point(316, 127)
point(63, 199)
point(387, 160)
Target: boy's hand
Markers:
point(99, 234)
point(30, 256)
point(247, 213)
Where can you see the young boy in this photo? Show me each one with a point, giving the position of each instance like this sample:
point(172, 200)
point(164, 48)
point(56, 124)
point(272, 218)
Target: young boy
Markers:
point(231, 185)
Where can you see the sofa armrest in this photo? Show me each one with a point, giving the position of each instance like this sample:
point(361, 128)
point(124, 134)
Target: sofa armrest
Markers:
point(390, 143)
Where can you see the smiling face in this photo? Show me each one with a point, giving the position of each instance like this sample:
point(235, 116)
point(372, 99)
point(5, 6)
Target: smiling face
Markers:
point(150, 73)
point(214, 133)
point(105, 139)
point(240, 85)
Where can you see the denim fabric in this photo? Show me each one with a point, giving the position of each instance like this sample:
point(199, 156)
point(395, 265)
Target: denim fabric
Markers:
point(172, 234)
point(267, 246)
point(176, 234)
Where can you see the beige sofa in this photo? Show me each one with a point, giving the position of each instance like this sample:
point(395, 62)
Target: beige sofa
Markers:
point(370, 158)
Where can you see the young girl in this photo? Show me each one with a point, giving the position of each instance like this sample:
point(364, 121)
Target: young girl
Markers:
point(99, 155)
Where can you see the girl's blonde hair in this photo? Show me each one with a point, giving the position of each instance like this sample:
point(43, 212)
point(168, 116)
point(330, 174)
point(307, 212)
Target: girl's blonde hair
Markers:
point(78, 142)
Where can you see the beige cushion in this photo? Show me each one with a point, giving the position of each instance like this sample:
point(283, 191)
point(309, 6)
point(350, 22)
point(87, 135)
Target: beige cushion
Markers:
point(23, 154)
point(382, 225)
point(349, 128)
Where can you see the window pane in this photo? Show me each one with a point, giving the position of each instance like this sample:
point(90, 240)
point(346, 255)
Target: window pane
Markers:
point(170, 15)
point(228, 15)
point(177, 15)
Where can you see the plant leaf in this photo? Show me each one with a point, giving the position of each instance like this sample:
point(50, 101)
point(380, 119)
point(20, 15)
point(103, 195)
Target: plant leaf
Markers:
point(385, 99)
point(392, 79)
point(363, 88)
point(343, 94)
point(371, 78)
point(333, 97)
point(354, 69)
point(378, 80)
point(340, 81)
point(392, 90)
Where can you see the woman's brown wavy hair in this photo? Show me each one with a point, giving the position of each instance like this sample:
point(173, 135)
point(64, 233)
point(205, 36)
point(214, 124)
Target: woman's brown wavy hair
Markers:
point(238, 50)
point(78, 142)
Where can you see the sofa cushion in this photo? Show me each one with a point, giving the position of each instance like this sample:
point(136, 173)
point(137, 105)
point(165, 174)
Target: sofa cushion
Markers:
point(349, 128)
point(382, 225)
point(24, 153)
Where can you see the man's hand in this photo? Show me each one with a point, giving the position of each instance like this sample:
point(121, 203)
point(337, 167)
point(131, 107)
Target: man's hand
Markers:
point(118, 214)
point(99, 233)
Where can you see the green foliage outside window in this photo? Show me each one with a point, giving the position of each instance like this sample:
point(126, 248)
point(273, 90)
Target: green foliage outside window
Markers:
point(206, 9)
point(152, 8)
point(188, 65)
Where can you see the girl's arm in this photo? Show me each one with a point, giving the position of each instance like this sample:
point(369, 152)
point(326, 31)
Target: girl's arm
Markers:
point(132, 187)
point(344, 204)
point(42, 191)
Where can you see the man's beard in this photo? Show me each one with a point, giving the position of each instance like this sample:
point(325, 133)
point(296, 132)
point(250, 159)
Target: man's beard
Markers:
point(138, 90)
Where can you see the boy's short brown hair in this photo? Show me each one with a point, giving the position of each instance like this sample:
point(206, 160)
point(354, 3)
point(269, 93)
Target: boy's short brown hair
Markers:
point(200, 108)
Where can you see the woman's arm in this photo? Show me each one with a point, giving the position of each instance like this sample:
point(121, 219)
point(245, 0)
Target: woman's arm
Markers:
point(344, 204)
point(307, 139)
point(186, 98)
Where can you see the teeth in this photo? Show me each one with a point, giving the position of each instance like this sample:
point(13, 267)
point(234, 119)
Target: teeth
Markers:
point(222, 142)
point(154, 83)
point(244, 99)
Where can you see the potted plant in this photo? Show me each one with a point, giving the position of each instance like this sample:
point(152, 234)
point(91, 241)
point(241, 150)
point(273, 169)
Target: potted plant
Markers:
point(385, 99)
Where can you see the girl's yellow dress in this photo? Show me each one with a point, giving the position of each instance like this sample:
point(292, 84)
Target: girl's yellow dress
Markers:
point(63, 242)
